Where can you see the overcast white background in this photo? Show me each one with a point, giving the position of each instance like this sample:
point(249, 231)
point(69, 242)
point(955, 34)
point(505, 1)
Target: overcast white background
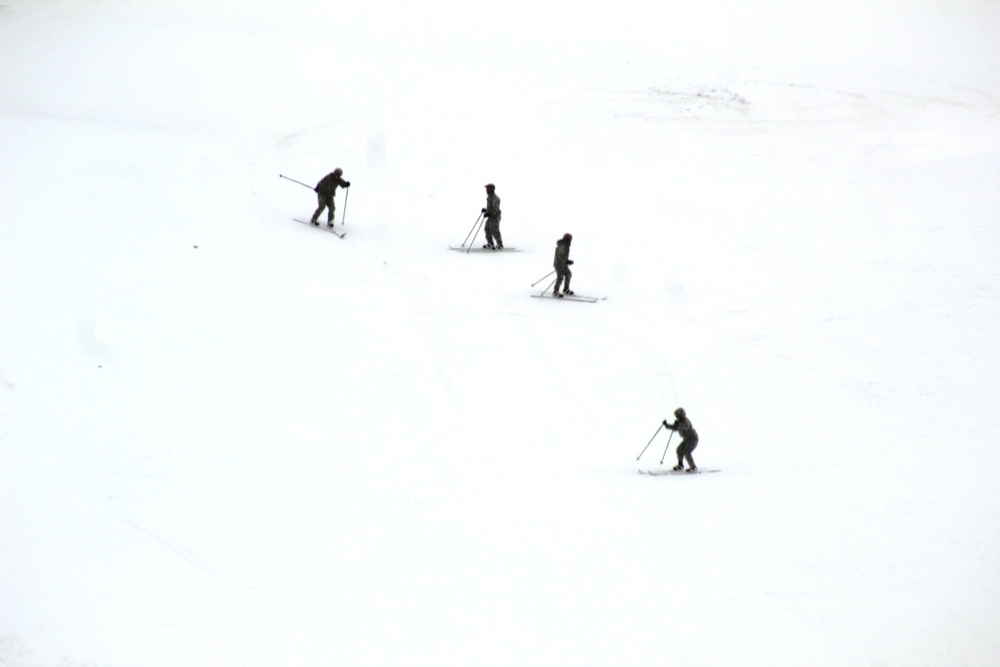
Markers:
point(228, 438)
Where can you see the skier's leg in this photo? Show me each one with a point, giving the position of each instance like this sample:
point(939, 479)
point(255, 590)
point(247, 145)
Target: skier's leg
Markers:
point(559, 279)
point(687, 454)
point(331, 211)
point(569, 275)
point(680, 456)
point(322, 205)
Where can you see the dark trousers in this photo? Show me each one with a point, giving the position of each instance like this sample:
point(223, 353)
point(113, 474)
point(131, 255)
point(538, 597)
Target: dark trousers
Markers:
point(493, 231)
point(325, 201)
point(565, 274)
point(684, 451)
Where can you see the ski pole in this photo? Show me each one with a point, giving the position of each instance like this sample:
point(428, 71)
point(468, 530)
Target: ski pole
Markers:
point(343, 218)
point(470, 231)
point(475, 235)
point(650, 442)
point(305, 185)
point(667, 447)
point(550, 285)
point(543, 277)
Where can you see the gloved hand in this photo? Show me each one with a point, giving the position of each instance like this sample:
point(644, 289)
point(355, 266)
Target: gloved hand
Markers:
point(569, 262)
point(484, 210)
point(316, 190)
point(347, 184)
point(665, 423)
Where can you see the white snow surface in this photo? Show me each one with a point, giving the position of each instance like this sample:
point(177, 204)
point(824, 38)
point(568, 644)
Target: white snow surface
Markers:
point(231, 439)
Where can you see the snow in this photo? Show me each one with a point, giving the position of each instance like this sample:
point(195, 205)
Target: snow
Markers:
point(228, 438)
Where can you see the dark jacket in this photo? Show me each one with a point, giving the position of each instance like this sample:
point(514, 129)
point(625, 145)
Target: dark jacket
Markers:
point(492, 206)
point(328, 184)
point(684, 427)
point(561, 259)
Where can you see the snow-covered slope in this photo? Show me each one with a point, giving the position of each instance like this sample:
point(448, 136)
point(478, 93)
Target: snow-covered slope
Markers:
point(228, 438)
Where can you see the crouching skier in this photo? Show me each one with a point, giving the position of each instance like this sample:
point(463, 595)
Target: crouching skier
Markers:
point(325, 190)
point(689, 439)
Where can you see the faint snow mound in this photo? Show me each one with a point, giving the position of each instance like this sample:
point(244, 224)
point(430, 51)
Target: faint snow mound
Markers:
point(679, 100)
point(694, 98)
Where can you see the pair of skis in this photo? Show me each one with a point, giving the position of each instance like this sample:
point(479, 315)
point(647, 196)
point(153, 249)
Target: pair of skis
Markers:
point(570, 297)
point(324, 227)
point(469, 249)
point(544, 294)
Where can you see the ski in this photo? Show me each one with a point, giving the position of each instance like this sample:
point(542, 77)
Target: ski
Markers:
point(699, 471)
point(322, 227)
point(484, 249)
point(570, 297)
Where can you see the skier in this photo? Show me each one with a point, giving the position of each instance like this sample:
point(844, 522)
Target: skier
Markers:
point(492, 213)
point(561, 262)
point(325, 189)
point(689, 439)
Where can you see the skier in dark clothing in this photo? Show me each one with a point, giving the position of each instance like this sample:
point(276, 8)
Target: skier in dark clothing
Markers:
point(492, 213)
point(325, 190)
point(561, 263)
point(689, 439)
